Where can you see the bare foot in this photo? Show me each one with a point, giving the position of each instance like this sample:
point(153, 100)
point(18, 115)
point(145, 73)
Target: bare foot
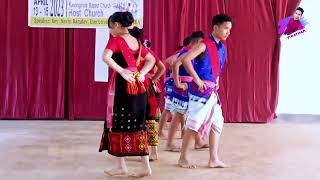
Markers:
point(182, 134)
point(185, 164)
point(162, 136)
point(173, 148)
point(142, 174)
point(217, 164)
point(117, 172)
point(201, 146)
point(153, 156)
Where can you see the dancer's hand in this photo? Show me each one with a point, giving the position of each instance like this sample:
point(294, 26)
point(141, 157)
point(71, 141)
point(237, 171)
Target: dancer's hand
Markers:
point(201, 85)
point(141, 77)
point(127, 75)
point(183, 86)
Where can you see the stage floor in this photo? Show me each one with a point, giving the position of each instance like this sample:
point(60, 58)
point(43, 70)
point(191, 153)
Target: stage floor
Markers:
point(68, 150)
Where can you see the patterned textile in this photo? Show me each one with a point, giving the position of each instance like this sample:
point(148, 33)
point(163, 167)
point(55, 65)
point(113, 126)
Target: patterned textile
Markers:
point(152, 102)
point(204, 111)
point(169, 84)
point(128, 144)
point(180, 98)
point(152, 131)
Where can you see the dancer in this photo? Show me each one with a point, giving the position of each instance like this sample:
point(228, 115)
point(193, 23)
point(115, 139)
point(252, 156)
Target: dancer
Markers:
point(205, 114)
point(124, 130)
point(169, 83)
point(180, 97)
point(153, 110)
point(153, 91)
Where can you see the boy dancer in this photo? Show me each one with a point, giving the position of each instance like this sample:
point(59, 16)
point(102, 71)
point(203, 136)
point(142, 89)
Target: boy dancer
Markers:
point(169, 83)
point(180, 97)
point(205, 115)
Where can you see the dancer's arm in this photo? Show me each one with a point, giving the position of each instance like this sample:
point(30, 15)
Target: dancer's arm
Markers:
point(160, 70)
point(126, 74)
point(170, 60)
point(148, 65)
point(107, 58)
point(175, 72)
point(186, 62)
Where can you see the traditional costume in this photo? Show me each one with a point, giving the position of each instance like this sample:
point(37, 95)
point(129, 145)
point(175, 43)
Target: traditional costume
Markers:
point(124, 130)
point(153, 110)
point(168, 86)
point(204, 107)
point(180, 97)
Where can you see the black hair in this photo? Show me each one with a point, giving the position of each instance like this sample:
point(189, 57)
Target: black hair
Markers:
point(301, 10)
point(186, 41)
point(135, 32)
point(220, 19)
point(179, 47)
point(109, 21)
point(124, 18)
point(197, 34)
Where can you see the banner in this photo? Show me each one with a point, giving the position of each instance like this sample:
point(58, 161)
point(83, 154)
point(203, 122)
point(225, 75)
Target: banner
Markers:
point(84, 14)
point(79, 13)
